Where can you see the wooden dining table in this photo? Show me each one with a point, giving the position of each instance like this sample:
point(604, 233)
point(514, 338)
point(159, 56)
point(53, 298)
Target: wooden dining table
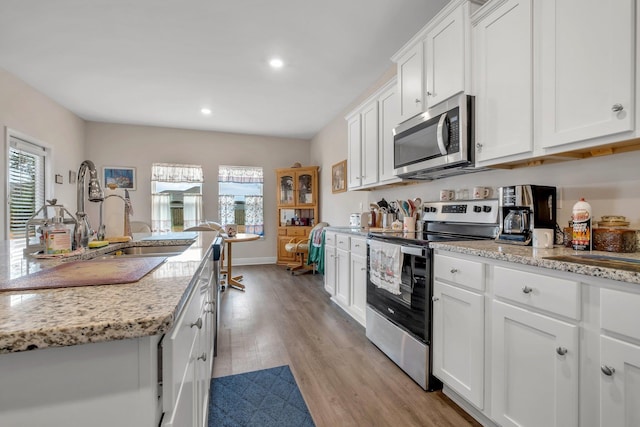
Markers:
point(234, 281)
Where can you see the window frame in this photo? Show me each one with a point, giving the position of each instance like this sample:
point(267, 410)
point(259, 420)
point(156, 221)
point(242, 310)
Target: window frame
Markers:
point(47, 154)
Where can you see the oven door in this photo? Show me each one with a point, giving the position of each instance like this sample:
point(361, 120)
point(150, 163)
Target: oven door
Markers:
point(410, 309)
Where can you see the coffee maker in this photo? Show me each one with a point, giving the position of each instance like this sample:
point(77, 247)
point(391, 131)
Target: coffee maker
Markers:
point(523, 208)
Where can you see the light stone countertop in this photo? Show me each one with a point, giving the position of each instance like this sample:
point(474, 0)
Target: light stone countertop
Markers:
point(68, 316)
point(536, 257)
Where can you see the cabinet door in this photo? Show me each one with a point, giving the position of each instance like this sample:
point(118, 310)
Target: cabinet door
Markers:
point(354, 152)
point(369, 139)
point(343, 291)
point(458, 341)
point(389, 117)
point(330, 270)
point(444, 62)
point(534, 369)
point(306, 188)
point(283, 255)
point(587, 69)
point(286, 189)
point(410, 83)
point(503, 81)
point(358, 287)
point(620, 390)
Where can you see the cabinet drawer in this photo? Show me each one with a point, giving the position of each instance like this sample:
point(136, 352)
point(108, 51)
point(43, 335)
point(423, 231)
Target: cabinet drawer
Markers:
point(558, 296)
point(620, 312)
point(282, 231)
point(358, 246)
point(329, 238)
point(297, 232)
point(342, 242)
point(459, 271)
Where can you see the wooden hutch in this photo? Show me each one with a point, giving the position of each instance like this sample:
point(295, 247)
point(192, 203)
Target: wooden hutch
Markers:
point(297, 206)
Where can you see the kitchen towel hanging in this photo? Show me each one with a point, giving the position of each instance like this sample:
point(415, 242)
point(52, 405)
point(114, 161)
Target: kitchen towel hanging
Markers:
point(385, 266)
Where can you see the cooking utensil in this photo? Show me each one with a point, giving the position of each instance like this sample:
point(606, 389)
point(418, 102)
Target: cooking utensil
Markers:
point(417, 202)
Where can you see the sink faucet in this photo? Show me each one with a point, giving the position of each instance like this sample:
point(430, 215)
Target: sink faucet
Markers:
point(83, 229)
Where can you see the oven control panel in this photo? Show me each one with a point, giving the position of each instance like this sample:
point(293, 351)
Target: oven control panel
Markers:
point(481, 211)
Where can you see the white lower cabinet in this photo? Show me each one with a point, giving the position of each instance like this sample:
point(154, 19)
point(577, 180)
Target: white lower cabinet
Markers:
point(534, 368)
point(330, 263)
point(358, 279)
point(517, 345)
point(458, 340)
point(619, 383)
point(347, 276)
point(619, 358)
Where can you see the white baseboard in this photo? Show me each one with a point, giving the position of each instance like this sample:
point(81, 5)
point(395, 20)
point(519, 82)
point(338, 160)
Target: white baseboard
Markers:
point(253, 261)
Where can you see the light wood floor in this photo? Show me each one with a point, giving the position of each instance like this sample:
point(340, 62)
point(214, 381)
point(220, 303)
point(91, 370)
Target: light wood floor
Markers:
point(345, 380)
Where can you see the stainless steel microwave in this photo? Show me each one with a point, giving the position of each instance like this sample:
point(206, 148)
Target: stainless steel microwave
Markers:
point(437, 143)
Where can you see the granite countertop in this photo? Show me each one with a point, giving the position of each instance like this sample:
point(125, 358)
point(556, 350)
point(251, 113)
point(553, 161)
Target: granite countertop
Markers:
point(68, 316)
point(537, 257)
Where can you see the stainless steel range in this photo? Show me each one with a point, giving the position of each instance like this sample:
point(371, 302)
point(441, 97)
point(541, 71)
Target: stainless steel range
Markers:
point(400, 284)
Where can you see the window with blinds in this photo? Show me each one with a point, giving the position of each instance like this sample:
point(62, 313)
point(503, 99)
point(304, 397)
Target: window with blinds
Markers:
point(26, 178)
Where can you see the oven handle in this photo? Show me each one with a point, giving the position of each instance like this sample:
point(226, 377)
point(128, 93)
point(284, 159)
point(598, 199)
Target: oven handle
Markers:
point(414, 250)
point(441, 134)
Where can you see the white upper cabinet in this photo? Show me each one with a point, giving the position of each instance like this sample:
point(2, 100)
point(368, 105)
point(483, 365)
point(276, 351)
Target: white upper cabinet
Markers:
point(586, 70)
point(354, 133)
point(369, 144)
point(370, 139)
point(389, 117)
point(503, 81)
point(410, 80)
point(444, 59)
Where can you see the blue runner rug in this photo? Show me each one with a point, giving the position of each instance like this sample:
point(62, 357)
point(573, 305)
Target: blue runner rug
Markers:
point(269, 397)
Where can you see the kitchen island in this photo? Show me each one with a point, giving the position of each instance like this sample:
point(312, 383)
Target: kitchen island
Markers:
point(109, 354)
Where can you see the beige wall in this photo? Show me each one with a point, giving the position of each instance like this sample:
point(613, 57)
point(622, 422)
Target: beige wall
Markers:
point(24, 109)
point(140, 146)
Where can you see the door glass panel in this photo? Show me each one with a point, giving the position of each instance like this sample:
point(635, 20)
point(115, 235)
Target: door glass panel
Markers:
point(286, 189)
point(305, 191)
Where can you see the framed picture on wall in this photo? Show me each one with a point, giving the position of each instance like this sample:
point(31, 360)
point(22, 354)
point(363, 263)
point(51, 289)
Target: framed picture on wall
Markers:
point(339, 177)
point(123, 177)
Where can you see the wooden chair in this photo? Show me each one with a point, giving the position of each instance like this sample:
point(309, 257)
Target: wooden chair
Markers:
point(300, 246)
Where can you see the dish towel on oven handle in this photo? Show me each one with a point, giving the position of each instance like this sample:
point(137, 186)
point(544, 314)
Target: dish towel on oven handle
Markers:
point(385, 266)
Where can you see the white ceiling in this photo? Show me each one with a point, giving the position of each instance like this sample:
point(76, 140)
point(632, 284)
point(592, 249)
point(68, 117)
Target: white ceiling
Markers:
point(158, 62)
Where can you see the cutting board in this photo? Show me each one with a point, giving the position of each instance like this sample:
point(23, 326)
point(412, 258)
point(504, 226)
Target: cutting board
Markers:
point(108, 271)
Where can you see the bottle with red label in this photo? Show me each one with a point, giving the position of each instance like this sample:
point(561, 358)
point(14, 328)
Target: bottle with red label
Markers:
point(581, 218)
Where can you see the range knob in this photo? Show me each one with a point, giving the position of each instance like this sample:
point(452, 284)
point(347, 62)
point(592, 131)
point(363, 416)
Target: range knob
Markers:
point(477, 209)
point(486, 208)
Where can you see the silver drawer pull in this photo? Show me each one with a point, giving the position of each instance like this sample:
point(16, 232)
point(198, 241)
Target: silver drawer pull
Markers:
point(434, 299)
point(454, 270)
point(197, 323)
point(340, 241)
point(363, 268)
point(357, 246)
point(561, 351)
point(203, 357)
point(607, 370)
point(617, 108)
point(527, 290)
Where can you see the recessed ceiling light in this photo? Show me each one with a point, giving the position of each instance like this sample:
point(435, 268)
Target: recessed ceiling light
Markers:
point(276, 63)
point(205, 111)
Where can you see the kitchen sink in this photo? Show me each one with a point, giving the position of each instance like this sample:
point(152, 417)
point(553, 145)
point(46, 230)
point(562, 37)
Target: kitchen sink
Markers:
point(145, 251)
point(605, 261)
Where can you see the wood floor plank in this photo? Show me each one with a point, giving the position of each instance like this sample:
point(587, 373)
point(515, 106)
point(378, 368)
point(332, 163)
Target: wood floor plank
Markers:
point(346, 381)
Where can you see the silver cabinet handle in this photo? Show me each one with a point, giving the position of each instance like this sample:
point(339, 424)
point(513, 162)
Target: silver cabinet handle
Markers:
point(340, 241)
point(197, 323)
point(607, 370)
point(203, 357)
point(527, 290)
point(617, 108)
point(418, 101)
point(434, 299)
point(561, 351)
point(454, 270)
point(479, 146)
point(429, 93)
point(363, 268)
point(357, 246)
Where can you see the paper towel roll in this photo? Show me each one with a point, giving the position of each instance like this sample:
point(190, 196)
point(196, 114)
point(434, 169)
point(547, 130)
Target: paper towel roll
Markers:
point(113, 211)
